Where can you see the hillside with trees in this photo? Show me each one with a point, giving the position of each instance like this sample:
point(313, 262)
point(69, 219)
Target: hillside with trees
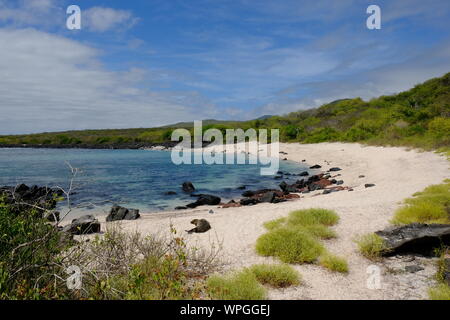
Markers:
point(419, 117)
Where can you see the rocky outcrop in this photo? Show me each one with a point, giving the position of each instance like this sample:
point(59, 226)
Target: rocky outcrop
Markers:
point(22, 196)
point(416, 238)
point(205, 200)
point(84, 225)
point(118, 213)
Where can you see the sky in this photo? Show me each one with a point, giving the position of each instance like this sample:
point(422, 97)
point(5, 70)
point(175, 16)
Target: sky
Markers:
point(146, 63)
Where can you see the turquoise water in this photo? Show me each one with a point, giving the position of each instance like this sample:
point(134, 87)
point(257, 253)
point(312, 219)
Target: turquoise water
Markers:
point(133, 178)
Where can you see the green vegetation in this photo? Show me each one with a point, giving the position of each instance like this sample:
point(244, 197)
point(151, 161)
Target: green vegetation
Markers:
point(28, 255)
point(333, 263)
point(371, 246)
point(241, 285)
point(429, 206)
point(247, 284)
point(295, 239)
point(418, 118)
point(34, 257)
point(280, 276)
point(440, 292)
point(290, 245)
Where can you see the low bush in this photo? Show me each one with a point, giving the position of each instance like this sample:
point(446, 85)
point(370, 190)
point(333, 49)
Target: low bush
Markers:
point(429, 206)
point(295, 238)
point(241, 285)
point(334, 263)
point(440, 292)
point(370, 246)
point(276, 275)
point(289, 245)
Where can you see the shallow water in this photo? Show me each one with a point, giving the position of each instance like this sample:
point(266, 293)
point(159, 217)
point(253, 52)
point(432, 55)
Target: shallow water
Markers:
point(133, 178)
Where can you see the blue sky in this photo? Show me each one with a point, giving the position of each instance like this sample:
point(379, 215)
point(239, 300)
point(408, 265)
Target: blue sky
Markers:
point(145, 63)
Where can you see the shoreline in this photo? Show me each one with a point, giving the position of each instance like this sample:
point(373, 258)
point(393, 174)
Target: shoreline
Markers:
point(397, 174)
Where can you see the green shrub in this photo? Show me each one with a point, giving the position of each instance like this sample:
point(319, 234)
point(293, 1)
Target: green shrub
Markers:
point(295, 239)
point(29, 255)
point(310, 217)
point(334, 263)
point(371, 246)
point(320, 231)
point(236, 286)
point(122, 265)
point(279, 276)
point(289, 245)
point(440, 292)
point(429, 206)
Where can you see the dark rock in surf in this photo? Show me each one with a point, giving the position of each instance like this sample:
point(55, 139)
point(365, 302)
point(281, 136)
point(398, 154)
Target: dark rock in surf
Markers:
point(335, 169)
point(188, 187)
point(205, 200)
point(248, 194)
point(316, 166)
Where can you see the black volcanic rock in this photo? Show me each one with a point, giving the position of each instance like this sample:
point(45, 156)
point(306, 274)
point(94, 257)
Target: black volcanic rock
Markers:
point(84, 225)
point(118, 213)
point(415, 238)
point(188, 187)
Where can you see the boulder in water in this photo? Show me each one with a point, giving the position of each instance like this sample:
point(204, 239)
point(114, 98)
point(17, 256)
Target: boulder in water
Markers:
point(188, 187)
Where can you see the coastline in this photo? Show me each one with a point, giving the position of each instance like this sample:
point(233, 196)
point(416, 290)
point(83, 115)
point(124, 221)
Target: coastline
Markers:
point(397, 174)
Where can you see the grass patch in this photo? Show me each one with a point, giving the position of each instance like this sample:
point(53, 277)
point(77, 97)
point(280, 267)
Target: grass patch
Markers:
point(334, 263)
point(429, 206)
point(296, 238)
point(289, 245)
point(241, 285)
point(370, 246)
point(280, 276)
point(313, 217)
point(321, 232)
point(440, 292)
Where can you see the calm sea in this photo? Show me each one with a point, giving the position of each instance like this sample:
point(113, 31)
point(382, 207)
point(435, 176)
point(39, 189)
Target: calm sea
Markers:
point(133, 178)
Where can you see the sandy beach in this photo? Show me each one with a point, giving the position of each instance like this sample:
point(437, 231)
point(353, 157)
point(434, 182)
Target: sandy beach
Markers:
point(397, 174)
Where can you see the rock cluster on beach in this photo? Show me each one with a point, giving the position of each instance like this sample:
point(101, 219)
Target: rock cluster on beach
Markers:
point(22, 196)
point(307, 184)
point(86, 224)
point(118, 213)
point(322, 181)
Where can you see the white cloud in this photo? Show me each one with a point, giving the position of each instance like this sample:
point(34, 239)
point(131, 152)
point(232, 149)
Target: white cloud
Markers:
point(29, 12)
point(101, 19)
point(50, 83)
point(388, 79)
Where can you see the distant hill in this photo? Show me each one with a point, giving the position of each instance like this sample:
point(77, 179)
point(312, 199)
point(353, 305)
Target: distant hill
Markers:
point(419, 117)
point(191, 124)
point(267, 116)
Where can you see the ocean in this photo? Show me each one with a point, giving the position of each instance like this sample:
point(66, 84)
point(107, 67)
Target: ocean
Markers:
point(132, 178)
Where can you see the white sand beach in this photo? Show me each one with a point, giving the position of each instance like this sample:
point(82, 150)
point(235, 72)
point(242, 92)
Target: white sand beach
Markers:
point(397, 174)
